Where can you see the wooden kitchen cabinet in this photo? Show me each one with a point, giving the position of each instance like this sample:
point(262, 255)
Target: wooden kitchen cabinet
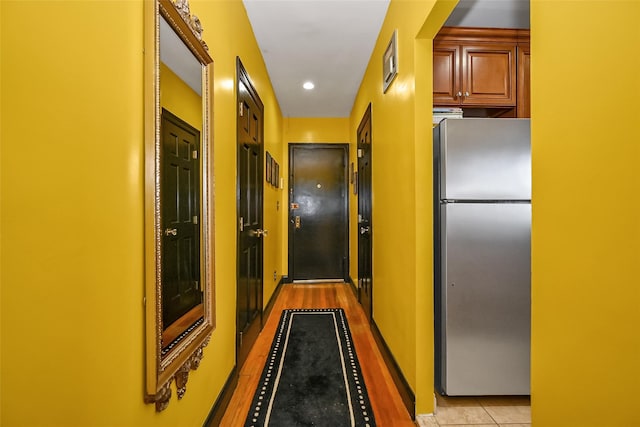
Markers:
point(446, 73)
point(476, 67)
point(474, 75)
point(524, 82)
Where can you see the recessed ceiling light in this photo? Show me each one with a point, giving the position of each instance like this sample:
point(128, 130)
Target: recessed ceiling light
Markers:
point(308, 85)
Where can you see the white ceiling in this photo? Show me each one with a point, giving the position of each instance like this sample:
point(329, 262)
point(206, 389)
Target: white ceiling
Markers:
point(490, 13)
point(330, 42)
point(177, 56)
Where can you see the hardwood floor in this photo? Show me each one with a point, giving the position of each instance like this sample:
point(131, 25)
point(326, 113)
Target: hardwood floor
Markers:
point(387, 405)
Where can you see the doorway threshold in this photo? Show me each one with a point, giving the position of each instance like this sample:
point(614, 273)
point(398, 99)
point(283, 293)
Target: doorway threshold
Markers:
point(320, 281)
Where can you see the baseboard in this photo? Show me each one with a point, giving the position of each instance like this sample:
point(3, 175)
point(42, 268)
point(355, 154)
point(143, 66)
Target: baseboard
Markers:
point(354, 288)
point(217, 412)
point(220, 406)
point(272, 300)
point(406, 393)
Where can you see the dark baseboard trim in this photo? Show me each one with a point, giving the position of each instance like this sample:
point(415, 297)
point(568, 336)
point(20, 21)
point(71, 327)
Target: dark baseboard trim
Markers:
point(220, 406)
point(286, 279)
point(272, 300)
point(408, 398)
point(354, 288)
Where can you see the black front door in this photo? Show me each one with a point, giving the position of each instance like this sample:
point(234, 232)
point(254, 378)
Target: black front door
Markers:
point(365, 224)
point(180, 189)
point(318, 212)
point(250, 196)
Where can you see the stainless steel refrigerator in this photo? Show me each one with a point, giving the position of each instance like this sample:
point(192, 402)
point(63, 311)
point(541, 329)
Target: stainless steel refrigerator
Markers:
point(482, 256)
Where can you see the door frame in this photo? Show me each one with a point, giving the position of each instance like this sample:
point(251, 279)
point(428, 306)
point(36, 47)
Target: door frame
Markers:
point(255, 328)
point(365, 122)
point(290, 248)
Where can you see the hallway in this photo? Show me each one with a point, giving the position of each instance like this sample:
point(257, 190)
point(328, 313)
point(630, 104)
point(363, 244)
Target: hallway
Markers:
point(77, 250)
point(385, 399)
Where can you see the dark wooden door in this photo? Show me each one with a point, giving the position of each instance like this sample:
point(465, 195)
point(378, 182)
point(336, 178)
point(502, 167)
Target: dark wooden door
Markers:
point(318, 212)
point(365, 223)
point(180, 218)
point(250, 200)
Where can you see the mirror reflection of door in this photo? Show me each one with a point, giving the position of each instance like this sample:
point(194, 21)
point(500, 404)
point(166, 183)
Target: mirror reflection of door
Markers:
point(180, 170)
point(365, 223)
point(250, 207)
point(181, 223)
point(318, 212)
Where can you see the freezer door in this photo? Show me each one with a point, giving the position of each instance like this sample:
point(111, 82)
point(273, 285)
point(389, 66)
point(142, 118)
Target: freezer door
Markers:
point(487, 305)
point(485, 159)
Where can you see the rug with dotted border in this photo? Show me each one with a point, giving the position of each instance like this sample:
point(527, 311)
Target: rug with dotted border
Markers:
point(312, 376)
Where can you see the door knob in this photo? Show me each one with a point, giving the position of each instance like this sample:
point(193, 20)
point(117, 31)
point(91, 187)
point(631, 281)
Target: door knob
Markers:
point(459, 94)
point(171, 232)
point(364, 230)
point(258, 233)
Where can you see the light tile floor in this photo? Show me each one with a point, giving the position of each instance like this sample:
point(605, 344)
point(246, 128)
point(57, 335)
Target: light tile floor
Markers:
point(508, 411)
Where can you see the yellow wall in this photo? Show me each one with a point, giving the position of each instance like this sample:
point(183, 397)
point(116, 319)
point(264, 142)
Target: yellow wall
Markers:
point(1, 208)
point(72, 276)
point(316, 129)
point(177, 97)
point(401, 181)
point(586, 229)
point(72, 320)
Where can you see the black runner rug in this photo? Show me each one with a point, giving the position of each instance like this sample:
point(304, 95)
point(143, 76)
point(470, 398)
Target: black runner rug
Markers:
point(312, 376)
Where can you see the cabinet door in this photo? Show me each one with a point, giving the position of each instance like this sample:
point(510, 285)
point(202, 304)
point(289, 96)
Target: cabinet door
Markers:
point(489, 76)
point(446, 78)
point(524, 86)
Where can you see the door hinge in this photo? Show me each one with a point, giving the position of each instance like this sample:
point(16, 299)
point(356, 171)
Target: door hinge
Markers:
point(241, 224)
point(241, 112)
point(240, 339)
point(360, 153)
point(194, 154)
point(195, 219)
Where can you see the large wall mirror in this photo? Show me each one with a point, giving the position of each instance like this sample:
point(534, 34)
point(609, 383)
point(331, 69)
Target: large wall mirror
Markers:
point(178, 198)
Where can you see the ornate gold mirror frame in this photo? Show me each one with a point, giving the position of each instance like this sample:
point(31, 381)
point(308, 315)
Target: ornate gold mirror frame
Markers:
point(168, 361)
